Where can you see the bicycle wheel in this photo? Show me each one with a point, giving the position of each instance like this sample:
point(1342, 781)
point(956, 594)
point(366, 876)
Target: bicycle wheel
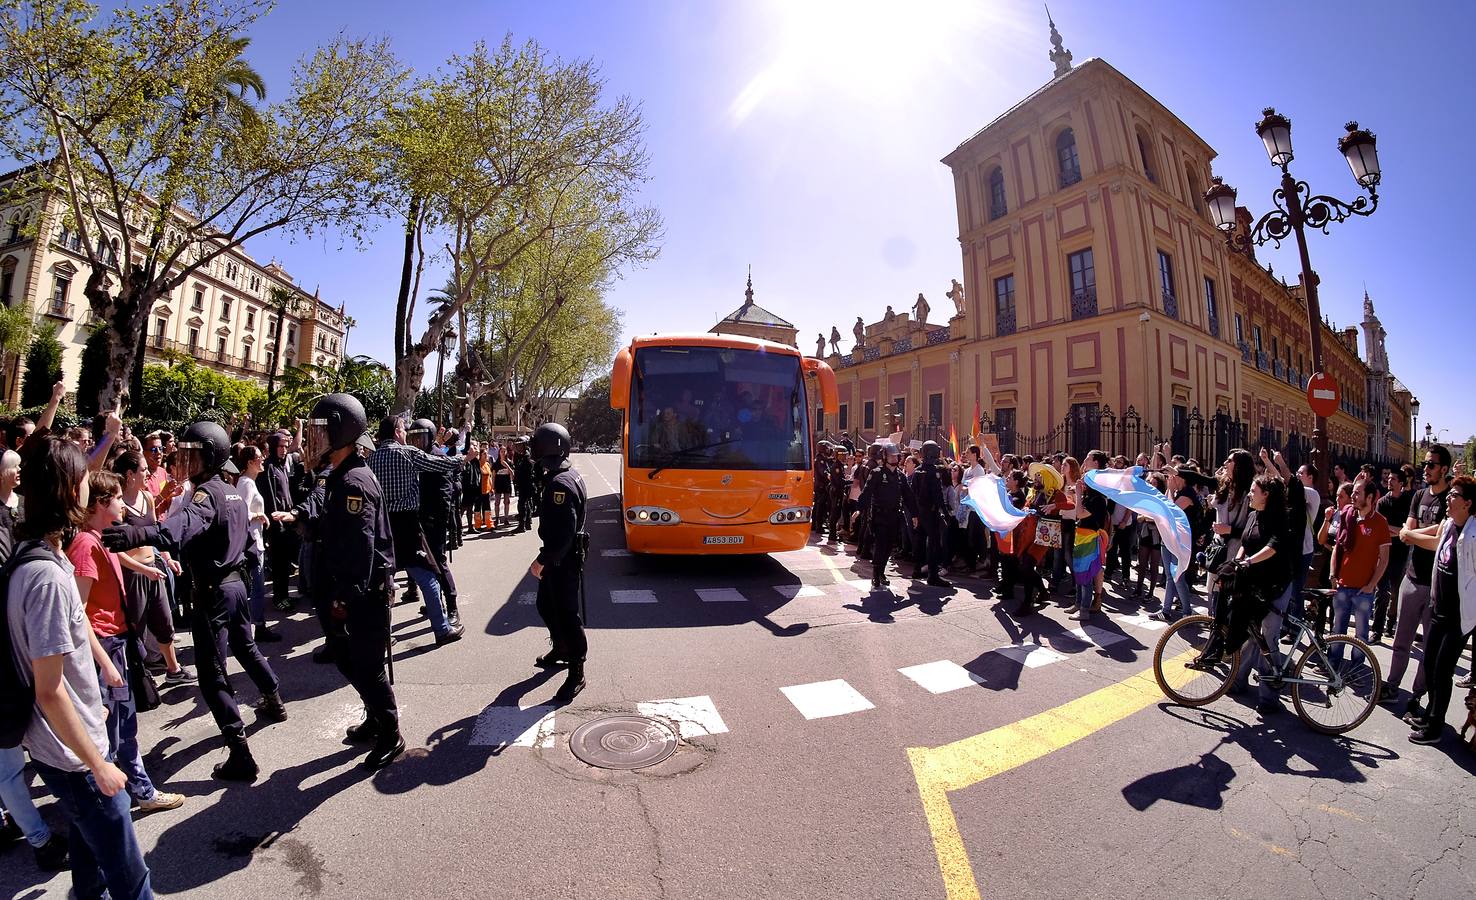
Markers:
point(1334, 709)
point(1180, 645)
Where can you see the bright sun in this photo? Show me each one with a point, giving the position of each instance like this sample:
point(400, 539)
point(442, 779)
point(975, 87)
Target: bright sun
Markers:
point(879, 49)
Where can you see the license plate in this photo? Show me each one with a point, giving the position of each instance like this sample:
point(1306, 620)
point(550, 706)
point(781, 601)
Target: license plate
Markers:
point(723, 539)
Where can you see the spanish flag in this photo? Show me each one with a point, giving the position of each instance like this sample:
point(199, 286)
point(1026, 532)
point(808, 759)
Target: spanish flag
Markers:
point(953, 439)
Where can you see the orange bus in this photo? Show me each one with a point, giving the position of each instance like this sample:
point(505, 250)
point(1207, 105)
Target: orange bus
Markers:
point(716, 441)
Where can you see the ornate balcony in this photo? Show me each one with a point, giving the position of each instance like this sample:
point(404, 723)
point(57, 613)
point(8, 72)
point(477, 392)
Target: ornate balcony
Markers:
point(939, 336)
point(1084, 303)
point(1214, 326)
point(997, 211)
point(1070, 176)
point(1170, 305)
point(1004, 322)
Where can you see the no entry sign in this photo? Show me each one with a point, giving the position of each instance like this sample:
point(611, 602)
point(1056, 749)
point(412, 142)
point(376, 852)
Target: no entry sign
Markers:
point(1323, 395)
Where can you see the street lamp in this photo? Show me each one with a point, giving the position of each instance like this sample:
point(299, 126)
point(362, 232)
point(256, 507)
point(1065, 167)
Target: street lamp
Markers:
point(1296, 209)
point(1414, 410)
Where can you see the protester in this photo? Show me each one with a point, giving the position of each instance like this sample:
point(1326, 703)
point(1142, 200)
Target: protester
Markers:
point(1428, 508)
point(1394, 508)
point(145, 569)
point(252, 464)
point(55, 648)
point(99, 577)
point(1359, 557)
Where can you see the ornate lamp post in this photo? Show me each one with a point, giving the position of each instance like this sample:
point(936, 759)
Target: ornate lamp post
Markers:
point(1414, 433)
point(1296, 210)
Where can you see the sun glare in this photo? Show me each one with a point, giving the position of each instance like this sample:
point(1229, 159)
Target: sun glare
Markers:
point(871, 49)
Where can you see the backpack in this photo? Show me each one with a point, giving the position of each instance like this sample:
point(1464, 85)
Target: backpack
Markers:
point(17, 691)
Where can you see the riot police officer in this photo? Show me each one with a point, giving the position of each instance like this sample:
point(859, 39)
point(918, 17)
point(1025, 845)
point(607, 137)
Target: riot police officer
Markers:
point(353, 552)
point(931, 509)
point(559, 567)
point(820, 509)
point(437, 512)
point(886, 500)
point(209, 535)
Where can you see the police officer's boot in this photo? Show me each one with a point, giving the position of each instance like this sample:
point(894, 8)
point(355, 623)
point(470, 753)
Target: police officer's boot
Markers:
point(572, 685)
point(553, 659)
point(271, 707)
point(239, 765)
point(388, 745)
point(452, 616)
point(365, 731)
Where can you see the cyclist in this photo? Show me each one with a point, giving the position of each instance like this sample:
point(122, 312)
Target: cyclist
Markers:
point(1257, 576)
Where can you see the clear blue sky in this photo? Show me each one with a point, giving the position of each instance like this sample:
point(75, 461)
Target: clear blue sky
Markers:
point(804, 138)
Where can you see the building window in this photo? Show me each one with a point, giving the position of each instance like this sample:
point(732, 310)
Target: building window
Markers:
point(935, 410)
point(997, 203)
point(271, 360)
point(1211, 307)
point(1239, 330)
point(292, 334)
point(1166, 285)
point(1196, 198)
point(1180, 432)
point(194, 339)
point(1256, 335)
point(1145, 153)
point(272, 328)
point(225, 309)
point(161, 324)
point(59, 304)
point(868, 414)
point(15, 230)
point(1083, 284)
point(7, 281)
point(1004, 429)
point(899, 412)
point(250, 319)
point(1067, 162)
point(1004, 306)
point(198, 304)
point(843, 417)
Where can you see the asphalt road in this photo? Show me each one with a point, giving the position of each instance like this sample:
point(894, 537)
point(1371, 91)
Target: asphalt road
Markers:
point(834, 744)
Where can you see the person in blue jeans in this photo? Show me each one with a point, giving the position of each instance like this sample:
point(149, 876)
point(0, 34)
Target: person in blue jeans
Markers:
point(1177, 601)
point(54, 649)
point(1358, 561)
point(21, 816)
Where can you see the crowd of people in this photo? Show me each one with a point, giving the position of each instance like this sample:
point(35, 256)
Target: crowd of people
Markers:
point(1390, 552)
point(109, 538)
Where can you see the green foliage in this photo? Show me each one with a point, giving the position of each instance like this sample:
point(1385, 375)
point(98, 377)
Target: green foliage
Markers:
point(17, 327)
point(43, 367)
point(592, 421)
point(300, 387)
point(1470, 454)
point(94, 373)
point(186, 392)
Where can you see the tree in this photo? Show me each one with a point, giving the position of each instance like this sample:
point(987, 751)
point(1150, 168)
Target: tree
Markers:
point(1470, 454)
point(43, 367)
point(184, 391)
point(284, 302)
point(93, 375)
point(141, 125)
point(367, 379)
point(592, 421)
point(504, 152)
point(17, 328)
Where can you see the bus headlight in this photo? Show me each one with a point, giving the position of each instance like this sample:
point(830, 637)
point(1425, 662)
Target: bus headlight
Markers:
point(651, 515)
point(790, 515)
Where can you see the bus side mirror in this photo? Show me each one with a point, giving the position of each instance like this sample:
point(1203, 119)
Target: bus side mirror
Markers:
point(829, 393)
point(620, 380)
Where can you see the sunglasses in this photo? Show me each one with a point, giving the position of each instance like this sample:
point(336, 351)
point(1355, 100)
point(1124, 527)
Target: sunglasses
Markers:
point(1431, 464)
point(1457, 495)
point(154, 450)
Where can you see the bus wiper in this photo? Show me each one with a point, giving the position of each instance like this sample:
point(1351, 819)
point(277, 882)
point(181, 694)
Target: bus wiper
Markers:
point(673, 454)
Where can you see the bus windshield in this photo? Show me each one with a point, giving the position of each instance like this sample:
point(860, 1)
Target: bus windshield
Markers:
point(717, 408)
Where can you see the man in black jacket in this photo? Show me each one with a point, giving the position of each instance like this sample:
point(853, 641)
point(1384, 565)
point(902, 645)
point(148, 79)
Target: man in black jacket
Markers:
point(279, 484)
point(889, 502)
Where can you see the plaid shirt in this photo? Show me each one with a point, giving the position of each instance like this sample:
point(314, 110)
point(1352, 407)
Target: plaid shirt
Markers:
point(398, 468)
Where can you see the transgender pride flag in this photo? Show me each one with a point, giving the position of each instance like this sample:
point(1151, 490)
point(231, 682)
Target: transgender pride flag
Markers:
point(991, 503)
point(1127, 487)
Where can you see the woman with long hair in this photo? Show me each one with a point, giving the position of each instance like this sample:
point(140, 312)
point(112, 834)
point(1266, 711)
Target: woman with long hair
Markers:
point(250, 461)
point(1232, 509)
point(1260, 567)
point(144, 567)
point(502, 485)
point(471, 484)
point(1067, 507)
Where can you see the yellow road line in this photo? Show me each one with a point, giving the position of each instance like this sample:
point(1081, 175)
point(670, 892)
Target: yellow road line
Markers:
point(967, 762)
point(1274, 848)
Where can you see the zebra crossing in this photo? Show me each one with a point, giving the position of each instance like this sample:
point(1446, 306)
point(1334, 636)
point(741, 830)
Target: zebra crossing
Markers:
point(529, 727)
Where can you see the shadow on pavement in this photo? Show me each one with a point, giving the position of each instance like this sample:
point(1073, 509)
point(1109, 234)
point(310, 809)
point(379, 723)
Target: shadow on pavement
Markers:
point(1276, 745)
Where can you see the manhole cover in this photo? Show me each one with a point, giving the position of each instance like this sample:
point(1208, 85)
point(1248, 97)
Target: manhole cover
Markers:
point(623, 742)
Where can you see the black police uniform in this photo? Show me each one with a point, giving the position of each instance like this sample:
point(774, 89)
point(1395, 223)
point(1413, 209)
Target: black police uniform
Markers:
point(888, 501)
point(280, 485)
point(820, 513)
point(209, 535)
point(931, 508)
point(353, 576)
point(523, 484)
point(561, 529)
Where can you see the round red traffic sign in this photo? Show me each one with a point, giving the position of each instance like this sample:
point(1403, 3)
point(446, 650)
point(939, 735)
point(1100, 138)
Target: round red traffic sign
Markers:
point(1323, 395)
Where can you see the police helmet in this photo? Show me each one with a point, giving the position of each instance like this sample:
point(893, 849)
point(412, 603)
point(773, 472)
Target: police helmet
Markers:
point(343, 416)
point(422, 433)
point(550, 443)
point(889, 450)
point(931, 451)
point(212, 444)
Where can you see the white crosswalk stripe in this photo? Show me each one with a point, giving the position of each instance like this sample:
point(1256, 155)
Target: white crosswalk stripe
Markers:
point(513, 726)
point(694, 716)
point(1031, 656)
point(942, 676)
point(793, 591)
point(1091, 634)
point(615, 551)
point(635, 596)
point(1142, 621)
point(721, 595)
point(824, 699)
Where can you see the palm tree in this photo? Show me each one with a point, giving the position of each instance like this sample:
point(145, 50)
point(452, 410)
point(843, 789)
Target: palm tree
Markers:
point(233, 82)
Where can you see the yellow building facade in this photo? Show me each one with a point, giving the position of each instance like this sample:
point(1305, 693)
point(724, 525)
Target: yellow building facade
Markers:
point(1100, 307)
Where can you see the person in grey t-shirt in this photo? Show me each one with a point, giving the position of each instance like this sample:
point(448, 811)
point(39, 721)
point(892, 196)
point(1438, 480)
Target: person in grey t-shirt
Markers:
point(55, 647)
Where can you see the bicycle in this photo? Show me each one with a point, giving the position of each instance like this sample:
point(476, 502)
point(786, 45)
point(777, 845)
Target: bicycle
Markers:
point(1331, 695)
